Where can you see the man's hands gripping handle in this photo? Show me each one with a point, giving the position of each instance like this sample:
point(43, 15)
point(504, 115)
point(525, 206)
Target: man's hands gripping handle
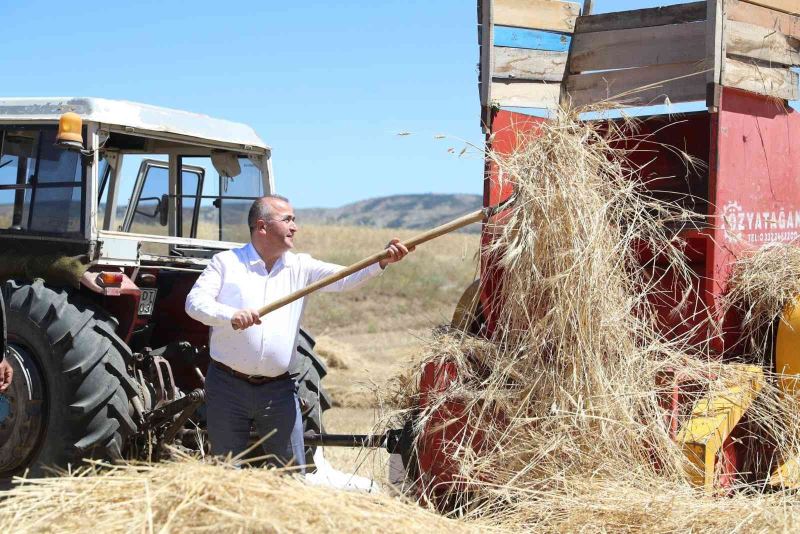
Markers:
point(245, 319)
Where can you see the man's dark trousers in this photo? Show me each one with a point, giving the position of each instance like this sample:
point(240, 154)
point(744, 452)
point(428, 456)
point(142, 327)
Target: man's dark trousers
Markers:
point(232, 404)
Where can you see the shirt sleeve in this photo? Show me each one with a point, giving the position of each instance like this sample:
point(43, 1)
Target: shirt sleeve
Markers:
point(318, 270)
point(201, 303)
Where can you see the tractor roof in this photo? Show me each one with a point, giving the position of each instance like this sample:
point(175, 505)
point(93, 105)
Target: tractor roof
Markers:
point(141, 117)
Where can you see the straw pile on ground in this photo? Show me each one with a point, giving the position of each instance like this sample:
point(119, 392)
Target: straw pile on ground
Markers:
point(566, 393)
point(197, 496)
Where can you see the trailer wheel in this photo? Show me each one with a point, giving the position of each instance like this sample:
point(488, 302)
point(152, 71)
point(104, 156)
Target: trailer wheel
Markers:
point(70, 397)
point(314, 398)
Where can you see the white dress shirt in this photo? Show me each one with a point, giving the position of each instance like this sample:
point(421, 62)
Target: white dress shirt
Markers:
point(237, 279)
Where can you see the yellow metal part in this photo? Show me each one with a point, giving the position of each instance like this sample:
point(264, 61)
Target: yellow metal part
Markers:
point(787, 349)
point(787, 475)
point(787, 365)
point(714, 417)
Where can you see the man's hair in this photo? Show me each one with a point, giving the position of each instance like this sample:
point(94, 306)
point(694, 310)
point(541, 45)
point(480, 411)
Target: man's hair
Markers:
point(260, 209)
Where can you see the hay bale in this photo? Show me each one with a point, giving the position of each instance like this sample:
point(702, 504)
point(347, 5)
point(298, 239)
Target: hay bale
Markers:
point(191, 495)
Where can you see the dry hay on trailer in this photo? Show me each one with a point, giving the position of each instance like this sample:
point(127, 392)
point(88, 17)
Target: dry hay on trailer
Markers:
point(567, 394)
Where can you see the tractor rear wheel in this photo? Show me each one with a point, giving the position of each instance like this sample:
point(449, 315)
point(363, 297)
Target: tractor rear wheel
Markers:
point(70, 397)
point(314, 399)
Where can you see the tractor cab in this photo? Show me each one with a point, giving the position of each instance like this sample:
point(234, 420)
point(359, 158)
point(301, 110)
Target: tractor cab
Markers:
point(130, 183)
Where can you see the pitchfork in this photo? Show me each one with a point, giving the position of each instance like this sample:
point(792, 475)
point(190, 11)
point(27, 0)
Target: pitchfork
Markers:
point(476, 216)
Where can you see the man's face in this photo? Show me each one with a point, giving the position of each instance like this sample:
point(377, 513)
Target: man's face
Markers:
point(277, 231)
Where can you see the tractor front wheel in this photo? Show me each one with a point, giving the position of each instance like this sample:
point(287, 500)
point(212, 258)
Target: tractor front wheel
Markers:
point(70, 396)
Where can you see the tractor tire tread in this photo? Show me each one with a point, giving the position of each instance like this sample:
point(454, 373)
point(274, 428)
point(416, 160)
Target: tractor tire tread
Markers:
point(309, 371)
point(85, 366)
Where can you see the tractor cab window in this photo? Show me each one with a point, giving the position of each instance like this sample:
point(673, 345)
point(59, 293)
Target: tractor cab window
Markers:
point(225, 200)
point(190, 189)
point(151, 200)
point(41, 186)
point(143, 201)
point(148, 208)
point(236, 196)
point(210, 200)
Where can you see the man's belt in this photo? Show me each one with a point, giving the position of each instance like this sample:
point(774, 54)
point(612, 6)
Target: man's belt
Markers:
point(256, 380)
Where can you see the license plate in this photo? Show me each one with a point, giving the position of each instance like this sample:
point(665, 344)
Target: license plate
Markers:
point(147, 301)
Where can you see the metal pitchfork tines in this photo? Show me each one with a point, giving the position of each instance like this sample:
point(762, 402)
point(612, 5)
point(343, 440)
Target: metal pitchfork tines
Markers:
point(476, 216)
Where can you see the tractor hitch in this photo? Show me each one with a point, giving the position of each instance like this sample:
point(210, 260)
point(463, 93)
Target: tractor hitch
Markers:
point(396, 440)
point(168, 420)
point(185, 406)
point(370, 441)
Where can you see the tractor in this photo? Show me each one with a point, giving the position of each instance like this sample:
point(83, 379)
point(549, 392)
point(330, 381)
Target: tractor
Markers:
point(109, 211)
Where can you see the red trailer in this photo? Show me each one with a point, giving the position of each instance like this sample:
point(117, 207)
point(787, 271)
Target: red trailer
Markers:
point(733, 59)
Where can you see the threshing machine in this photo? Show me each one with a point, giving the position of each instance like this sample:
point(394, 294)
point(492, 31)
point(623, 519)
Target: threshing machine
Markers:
point(727, 65)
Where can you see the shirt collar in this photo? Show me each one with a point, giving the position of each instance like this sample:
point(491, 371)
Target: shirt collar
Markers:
point(253, 258)
point(251, 254)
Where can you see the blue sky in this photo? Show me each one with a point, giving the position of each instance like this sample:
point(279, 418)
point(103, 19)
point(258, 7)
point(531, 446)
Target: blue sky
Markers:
point(328, 85)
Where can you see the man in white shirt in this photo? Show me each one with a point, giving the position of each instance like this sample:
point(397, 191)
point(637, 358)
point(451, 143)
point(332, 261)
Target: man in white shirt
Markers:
point(248, 380)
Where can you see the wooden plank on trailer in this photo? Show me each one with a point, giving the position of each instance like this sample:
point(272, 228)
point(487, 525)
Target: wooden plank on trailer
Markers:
point(787, 6)
point(523, 64)
point(486, 62)
point(526, 94)
point(540, 14)
point(788, 25)
point(757, 42)
point(642, 18)
point(715, 51)
point(537, 39)
point(681, 82)
point(769, 81)
point(638, 47)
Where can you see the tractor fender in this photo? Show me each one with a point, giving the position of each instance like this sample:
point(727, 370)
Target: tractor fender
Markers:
point(125, 304)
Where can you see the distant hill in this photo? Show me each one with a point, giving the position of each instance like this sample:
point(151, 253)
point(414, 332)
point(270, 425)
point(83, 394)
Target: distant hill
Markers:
point(397, 211)
point(420, 212)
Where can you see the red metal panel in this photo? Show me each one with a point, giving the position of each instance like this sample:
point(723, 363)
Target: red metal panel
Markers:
point(446, 431)
point(656, 149)
point(509, 131)
point(754, 185)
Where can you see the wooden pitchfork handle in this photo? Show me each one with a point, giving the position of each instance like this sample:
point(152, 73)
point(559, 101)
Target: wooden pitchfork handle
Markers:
point(455, 224)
